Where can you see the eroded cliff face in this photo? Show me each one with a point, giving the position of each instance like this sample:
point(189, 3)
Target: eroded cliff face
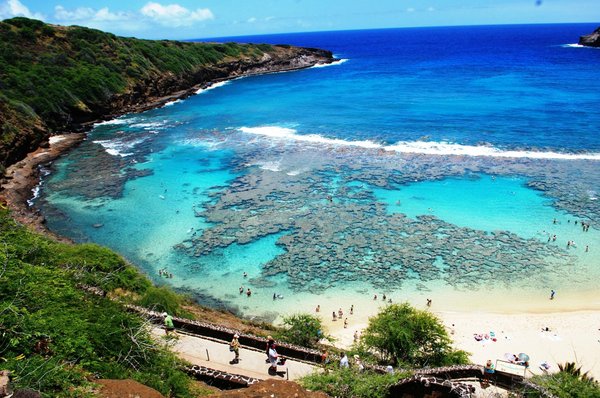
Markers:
point(151, 92)
point(591, 40)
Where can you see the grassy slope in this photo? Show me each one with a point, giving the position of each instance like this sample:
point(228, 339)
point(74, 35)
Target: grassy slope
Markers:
point(90, 336)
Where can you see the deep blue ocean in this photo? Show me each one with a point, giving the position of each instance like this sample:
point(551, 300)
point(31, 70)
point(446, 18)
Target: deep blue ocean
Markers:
point(435, 163)
point(519, 86)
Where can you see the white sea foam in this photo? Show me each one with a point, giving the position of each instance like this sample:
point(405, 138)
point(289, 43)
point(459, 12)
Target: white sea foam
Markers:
point(416, 147)
point(150, 125)
point(118, 147)
point(213, 86)
point(113, 122)
point(171, 103)
point(290, 134)
point(334, 63)
point(445, 148)
point(577, 45)
point(271, 165)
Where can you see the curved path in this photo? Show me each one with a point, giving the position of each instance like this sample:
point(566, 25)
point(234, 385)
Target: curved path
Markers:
point(215, 354)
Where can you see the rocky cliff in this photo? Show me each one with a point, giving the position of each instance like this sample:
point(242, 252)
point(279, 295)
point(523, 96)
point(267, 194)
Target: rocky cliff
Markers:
point(57, 79)
point(591, 40)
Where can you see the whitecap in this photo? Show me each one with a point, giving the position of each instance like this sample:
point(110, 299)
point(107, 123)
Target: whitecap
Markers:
point(334, 63)
point(150, 125)
point(416, 147)
point(171, 103)
point(111, 122)
point(290, 134)
point(577, 45)
point(118, 147)
point(446, 148)
point(212, 86)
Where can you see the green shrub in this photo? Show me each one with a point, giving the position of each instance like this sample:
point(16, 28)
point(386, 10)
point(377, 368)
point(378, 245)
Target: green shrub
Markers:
point(163, 299)
point(403, 334)
point(569, 382)
point(302, 329)
point(349, 383)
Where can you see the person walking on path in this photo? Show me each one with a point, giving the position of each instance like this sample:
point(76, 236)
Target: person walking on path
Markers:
point(169, 327)
point(273, 358)
point(269, 342)
point(552, 293)
point(235, 347)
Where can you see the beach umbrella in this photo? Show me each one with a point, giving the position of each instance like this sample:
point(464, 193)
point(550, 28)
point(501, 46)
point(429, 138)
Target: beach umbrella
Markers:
point(523, 357)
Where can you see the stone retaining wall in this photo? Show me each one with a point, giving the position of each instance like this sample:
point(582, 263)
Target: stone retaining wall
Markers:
point(219, 379)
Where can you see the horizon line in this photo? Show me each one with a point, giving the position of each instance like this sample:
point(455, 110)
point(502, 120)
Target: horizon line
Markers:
point(395, 28)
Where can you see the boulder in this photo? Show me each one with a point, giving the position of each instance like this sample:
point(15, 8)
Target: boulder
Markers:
point(591, 40)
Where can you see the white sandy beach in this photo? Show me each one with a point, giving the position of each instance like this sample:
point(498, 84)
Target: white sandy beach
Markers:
point(573, 336)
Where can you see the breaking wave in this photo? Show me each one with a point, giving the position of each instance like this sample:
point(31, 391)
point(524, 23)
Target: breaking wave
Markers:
point(416, 147)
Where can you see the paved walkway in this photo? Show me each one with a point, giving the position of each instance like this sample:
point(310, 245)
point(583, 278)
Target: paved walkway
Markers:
point(215, 354)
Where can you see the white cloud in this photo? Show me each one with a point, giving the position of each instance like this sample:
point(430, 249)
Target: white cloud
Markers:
point(430, 9)
point(90, 15)
point(14, 8)
point(251, 20)
point(174, 14)
point(78, 14)
point(410, 9)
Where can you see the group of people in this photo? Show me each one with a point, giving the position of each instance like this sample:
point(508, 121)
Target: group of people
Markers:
point(164, 273)
point(248, 291)
point(273, 358)
point(345, 363)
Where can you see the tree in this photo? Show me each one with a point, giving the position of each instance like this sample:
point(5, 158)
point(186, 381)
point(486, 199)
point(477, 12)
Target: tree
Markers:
point(302, 329)
point(401, 333)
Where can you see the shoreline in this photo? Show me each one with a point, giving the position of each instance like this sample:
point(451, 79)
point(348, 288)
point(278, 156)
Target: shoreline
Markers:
point(20, 178)
point(572, 337)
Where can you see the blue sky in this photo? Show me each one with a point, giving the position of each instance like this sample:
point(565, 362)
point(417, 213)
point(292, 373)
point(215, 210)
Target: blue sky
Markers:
point(182, 19)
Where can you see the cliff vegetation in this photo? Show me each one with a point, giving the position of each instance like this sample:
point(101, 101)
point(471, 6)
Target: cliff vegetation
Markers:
point(56, 78)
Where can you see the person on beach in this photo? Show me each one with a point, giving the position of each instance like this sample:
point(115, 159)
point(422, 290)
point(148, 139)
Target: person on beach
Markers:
point(235, 347)
point(245, 274)
point(169, 327)
point(318, 309)
point(344, 361)
point(340, 313)
point(352, 309)
point(274, 297)
point(429, 302)
point(248, 292)
point(552, 293)
point(355, 336)
point(241, 289)
point(375, 297)
point(346, 323)
point(334, 317)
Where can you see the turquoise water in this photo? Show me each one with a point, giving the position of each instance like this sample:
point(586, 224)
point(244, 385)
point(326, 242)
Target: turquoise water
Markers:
point(414, 169)
point(486, 203)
